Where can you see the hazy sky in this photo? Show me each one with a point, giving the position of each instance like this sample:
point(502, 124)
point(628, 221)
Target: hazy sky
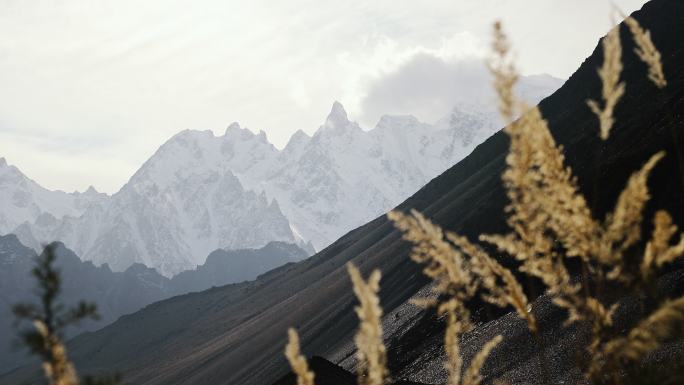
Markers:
point(90, 89)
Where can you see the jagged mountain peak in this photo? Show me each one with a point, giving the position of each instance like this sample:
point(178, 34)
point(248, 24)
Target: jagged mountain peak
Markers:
point(337, 120)
point(235, 132)
point(9, 169)
point(91, 190)
point(337, 112)
point(299, 135)
point(235, 126)
point(297, 140)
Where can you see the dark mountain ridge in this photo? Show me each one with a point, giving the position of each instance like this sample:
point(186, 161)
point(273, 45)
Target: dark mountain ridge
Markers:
point(119, 293)
point(235, 334)
point(115, 293)
point(228, 266)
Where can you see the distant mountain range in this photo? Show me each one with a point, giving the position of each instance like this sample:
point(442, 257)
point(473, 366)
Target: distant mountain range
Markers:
point(119, 293)
point(200, 192)
point(22, 200)
point(235, 334)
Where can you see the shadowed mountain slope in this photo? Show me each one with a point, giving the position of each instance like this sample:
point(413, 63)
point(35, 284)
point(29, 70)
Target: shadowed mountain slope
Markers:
point(118, 293)
point(235, 334)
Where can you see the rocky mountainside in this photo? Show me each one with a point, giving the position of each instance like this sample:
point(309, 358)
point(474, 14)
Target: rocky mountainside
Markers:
point(229, 266)
point(119, 293)
point(235, 334)
point(200, 192)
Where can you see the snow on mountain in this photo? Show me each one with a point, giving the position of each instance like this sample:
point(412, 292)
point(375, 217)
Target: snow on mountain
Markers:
point(182, 204)
point(344, 176)
point(23, 200)
point(200, 192)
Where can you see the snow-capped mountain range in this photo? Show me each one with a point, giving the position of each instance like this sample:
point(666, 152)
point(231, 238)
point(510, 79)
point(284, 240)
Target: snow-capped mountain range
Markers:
point(23, 200)
point(200, 192)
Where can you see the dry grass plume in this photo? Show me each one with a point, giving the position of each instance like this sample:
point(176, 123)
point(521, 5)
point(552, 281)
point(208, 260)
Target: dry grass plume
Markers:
point(297, 361)
point(371, 355)
point(58, 369)
point(612, 89)
point(647, 52)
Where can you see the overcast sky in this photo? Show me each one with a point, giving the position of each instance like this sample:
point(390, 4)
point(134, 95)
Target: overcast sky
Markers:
point(90, 89)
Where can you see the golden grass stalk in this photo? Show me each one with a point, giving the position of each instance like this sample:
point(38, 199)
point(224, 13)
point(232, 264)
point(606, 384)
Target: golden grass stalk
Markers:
point(649, 333)
point(647, 52)
point(622, 227)
point(370, 353)
point(472, 375)
point(658, 250)
point(612, 89)
point(601, 318)
point(297, 361)
point(503, 289)
point(452, 346)
point(623, 224)
point(544, 198)
point(443, 263)
point(457, 280)
point(58, 369)
point(548, 268)
point(502, 66)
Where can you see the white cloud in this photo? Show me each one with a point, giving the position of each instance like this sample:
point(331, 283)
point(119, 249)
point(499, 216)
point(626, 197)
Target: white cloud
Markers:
point(427, 86)
point(91, 89)
point(386, 57)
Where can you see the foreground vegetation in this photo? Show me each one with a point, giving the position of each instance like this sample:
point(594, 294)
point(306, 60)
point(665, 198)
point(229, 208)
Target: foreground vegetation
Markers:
point(551, 225)
point(48, 323)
